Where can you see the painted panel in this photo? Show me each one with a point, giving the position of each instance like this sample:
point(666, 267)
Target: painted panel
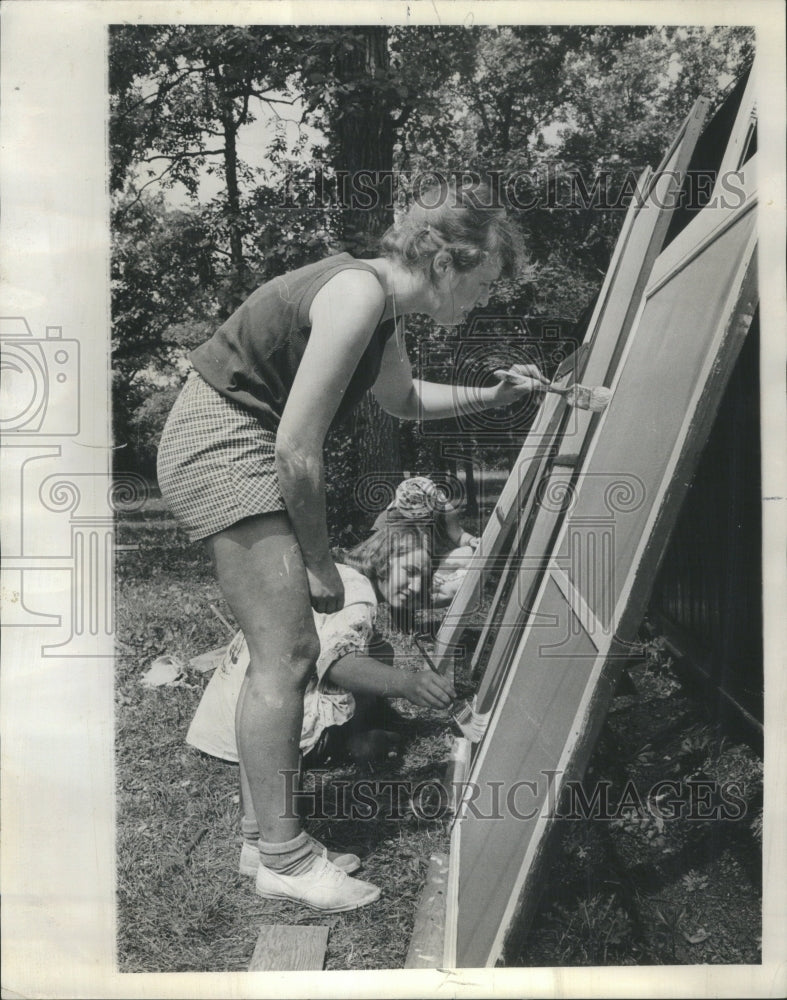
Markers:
point(637, 248)
point(635, 441)
point(670, 380)
point(525, 749)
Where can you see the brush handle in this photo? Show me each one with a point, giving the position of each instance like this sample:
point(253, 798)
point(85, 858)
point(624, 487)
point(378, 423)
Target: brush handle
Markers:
point(514, 379)
point(459, 702)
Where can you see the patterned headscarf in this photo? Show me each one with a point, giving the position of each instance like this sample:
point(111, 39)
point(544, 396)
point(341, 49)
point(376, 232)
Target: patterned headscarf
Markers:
point(419, 498)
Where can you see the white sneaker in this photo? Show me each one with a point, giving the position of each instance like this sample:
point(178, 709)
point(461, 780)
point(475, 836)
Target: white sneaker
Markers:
point(250, 858)
point(324, 887)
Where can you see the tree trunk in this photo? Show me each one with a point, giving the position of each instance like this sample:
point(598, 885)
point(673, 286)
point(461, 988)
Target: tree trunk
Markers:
point(233, 206)
point(229, 128)
point(364, 142)
point(365, 138)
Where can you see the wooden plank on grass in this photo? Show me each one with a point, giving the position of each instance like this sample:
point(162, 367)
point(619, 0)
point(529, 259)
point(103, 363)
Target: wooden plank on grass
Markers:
point(428, 940)
point(287, 948)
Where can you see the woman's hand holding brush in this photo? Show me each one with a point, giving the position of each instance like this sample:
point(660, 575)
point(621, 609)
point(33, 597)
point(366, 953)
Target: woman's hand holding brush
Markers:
point(519, 381)
point(583, 397)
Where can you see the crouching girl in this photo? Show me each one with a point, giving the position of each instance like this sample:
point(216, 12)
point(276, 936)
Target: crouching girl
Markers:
point(342, 707)
point(422, 502)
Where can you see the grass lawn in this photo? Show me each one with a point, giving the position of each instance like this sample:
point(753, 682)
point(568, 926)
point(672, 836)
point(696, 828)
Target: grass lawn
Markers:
point(182, 904)
point(622, 892)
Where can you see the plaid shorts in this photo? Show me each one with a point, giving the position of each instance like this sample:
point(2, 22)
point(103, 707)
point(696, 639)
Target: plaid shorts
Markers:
point(215, 462)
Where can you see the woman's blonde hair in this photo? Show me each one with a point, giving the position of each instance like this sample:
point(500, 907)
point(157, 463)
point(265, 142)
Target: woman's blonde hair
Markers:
point(464, 220)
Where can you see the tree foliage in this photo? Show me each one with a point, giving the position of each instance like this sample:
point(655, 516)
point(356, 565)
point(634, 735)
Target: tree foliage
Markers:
point(551, 112)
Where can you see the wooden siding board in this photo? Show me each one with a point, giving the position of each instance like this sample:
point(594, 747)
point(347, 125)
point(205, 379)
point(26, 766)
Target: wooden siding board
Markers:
point(525, 748)
point(511, 596)
point(654, 405)
point(521, 601)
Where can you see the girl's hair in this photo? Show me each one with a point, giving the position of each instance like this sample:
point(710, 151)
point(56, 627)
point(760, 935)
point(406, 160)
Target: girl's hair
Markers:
point(373, 556)
point(431, 525)
point(465, 220)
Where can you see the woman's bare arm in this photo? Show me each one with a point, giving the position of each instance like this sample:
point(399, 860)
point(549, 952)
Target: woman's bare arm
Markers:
point(343, 315)
point(414, 399)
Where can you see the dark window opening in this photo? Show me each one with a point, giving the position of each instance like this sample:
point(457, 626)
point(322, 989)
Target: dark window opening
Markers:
point(706, 160)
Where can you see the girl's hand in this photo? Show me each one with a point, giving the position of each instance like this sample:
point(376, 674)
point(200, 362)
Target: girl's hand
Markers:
point(440, 595)
point(428, 690)
point(326, 587)
point(519, 381)
point(467, 539)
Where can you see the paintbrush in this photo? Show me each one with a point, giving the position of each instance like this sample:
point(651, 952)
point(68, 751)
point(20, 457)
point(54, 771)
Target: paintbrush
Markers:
point(582, 397)
point(472, 724)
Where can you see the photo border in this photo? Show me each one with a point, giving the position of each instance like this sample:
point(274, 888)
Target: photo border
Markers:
point(56, 712)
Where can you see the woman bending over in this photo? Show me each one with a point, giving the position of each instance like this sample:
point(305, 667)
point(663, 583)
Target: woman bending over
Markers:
point(240, 464)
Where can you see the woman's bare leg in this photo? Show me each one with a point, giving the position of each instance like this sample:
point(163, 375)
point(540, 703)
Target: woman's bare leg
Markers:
point(249, 826)
point(260, 571)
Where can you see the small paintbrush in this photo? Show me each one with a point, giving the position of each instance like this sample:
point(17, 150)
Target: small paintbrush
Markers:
point(472, 724)
point(582, 397)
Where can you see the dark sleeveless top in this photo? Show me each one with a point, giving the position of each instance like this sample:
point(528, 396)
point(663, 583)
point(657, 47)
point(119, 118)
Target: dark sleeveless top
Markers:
point(252, 358)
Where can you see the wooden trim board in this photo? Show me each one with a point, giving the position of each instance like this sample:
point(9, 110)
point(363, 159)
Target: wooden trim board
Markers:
point(428, 939)
point(736, 147)
point(450, 960)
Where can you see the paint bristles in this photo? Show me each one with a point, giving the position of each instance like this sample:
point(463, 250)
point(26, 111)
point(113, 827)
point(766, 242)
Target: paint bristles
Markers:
point(585, 397)
point(472, 723)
